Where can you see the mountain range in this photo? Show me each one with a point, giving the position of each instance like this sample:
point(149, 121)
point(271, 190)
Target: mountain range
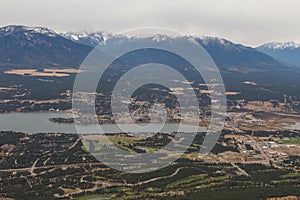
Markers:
point(37, 47)
point(23, 47)
point(286, 52)
point(226, 54)
point(27, 47)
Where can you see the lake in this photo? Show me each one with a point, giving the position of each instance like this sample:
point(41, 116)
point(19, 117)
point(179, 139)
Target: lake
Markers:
point(38, 122)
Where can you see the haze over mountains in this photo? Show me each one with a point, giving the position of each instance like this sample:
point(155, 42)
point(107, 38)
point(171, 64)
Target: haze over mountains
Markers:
point(35, 47)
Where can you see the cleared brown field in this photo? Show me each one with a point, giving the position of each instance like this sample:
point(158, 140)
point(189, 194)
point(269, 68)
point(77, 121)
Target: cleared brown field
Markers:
point(45, 73)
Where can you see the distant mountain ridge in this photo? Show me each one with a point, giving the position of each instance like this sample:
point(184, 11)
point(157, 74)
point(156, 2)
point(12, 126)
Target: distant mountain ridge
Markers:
point(233, 56)
point(8, 30)
point(226, 54)
point(286, 52)
point(90, 39)
point(281, 45)
point(38, 47)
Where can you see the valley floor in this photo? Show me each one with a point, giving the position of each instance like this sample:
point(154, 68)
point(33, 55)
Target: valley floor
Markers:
point(58, 166)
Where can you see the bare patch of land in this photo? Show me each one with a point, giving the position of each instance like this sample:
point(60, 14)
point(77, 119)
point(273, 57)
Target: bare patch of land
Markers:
point(44, 73)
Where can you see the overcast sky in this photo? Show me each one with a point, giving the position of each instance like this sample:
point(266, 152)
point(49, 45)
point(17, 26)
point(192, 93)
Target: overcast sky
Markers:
point(250, 22)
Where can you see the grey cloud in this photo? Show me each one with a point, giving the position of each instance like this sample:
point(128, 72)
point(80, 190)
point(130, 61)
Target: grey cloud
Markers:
point(249, 22)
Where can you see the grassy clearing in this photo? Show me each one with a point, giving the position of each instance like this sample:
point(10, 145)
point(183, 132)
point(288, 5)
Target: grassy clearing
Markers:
point(290, 175)
point(94, 196)
point(198, 181)
point(292, 141)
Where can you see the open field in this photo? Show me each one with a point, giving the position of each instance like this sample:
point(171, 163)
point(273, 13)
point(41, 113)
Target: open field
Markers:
point(43, 73)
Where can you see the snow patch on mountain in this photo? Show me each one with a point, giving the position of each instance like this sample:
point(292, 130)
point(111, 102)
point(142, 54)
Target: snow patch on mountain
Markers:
point(206, 40)
point(160, 38)
point(87, 38)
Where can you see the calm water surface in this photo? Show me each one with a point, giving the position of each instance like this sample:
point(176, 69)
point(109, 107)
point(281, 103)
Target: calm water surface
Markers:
point(38, 122)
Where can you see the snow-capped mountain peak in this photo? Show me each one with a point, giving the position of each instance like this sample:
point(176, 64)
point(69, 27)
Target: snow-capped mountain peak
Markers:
point(281, 45)
point(213, 40)
point(286, 52)
point(12, 29)
point(87, 38)
point(160, 38)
